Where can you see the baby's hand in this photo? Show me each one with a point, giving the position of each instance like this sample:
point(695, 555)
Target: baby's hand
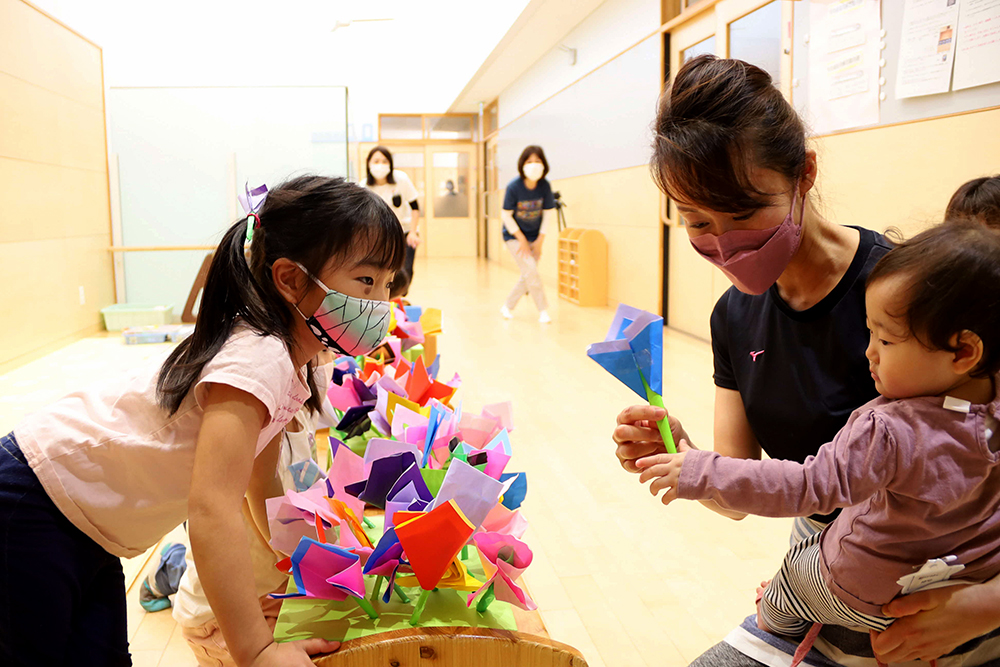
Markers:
point(664, 470)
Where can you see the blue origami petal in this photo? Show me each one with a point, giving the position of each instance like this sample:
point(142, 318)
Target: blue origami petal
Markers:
point(645, 339)
point(624, 316)
point(517, 491)
point(433, 424)
point(616, 357)
point(434, 368)
point(413, 313)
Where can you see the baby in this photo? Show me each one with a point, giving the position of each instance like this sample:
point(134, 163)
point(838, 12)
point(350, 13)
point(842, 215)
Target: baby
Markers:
point(916, 469)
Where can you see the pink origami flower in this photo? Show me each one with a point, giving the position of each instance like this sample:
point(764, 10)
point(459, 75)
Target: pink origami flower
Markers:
point(325, 571)
point(504, 558)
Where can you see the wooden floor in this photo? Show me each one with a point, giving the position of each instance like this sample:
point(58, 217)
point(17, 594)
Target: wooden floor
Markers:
point(617, 575)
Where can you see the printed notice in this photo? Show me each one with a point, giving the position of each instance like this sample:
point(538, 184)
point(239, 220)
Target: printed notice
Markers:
point(977, 54)
point(927, 47)
point(843, 64)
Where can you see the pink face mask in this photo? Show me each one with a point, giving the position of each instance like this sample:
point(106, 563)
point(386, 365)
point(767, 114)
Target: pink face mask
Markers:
point(753, 258)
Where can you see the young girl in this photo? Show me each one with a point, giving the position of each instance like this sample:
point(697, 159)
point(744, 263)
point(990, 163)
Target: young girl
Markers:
point(396, 189)
point(528, 206)
point(107, 471)
point(917, 468)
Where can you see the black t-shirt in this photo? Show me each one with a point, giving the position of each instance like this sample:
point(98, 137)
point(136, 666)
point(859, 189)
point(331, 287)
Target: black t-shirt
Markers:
point(527, 206)
point(800, 373)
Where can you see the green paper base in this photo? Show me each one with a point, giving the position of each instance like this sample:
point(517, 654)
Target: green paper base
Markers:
point(341, 621)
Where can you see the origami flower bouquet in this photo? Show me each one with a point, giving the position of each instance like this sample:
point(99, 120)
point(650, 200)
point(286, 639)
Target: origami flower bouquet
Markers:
point(438, 474)
point(633, 352)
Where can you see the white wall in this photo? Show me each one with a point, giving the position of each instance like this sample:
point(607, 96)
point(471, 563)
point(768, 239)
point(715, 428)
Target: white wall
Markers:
point(593, 116)
point(416, 63)
point(610, 29)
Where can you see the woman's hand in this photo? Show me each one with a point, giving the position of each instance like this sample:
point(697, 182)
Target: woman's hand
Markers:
point(413, 239)
point(933, 623)
point(536, 249)
point(523, 247)
point(637, 435)
point(293, 654)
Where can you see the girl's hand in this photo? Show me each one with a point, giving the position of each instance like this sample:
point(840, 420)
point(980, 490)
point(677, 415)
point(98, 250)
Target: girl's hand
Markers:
point(536, 249)
point(637, 436)
point(293, 654)
point(933, 623)
point(413, 239)
point(664, 470)
point(523, 247)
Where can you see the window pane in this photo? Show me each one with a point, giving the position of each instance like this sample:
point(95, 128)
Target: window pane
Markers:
point(756, 38)
point(407, 159)
point(451, 185)
point(401, 127)
point(449, 127)
point(701, 48)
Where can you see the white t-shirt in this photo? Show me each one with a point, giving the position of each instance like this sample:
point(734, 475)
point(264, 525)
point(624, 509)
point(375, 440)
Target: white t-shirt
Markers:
point(404, 190)
point(119, 467)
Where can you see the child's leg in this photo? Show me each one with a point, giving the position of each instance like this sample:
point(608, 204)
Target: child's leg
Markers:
point(101, 629)
point(62, 597)
point(798, 596)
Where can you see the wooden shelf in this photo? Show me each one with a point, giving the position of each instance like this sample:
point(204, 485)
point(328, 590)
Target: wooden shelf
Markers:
point(583, 267)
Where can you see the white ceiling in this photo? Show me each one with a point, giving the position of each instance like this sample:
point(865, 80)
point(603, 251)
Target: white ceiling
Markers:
point(417, 62)
point(539, 28)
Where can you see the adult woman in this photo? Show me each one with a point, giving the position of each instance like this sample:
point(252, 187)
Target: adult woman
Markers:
point(789, 337)
point(527, 211)
point(397, 190)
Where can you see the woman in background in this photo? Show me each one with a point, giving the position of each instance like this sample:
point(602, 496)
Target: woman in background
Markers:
point(528, 207)
point(396, 189)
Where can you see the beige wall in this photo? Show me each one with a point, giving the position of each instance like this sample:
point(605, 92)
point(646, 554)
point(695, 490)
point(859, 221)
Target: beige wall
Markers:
point(904, 175)
point(54, 217)
point(621, 204)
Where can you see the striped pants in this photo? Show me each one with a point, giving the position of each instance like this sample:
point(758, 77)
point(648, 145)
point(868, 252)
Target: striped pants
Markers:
point(797, 597)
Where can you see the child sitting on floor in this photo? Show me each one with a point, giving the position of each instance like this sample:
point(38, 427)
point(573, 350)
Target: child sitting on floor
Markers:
point(916, 469)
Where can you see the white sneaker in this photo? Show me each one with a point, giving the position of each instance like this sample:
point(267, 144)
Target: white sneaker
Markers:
point(543, 317)
point(505, 311)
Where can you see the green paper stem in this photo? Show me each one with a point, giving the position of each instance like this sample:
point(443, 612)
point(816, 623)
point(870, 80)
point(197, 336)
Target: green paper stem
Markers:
point(403, 597)
point(664, 424)
point(485, 600)
point(368, 522)
point(368, 609)
point(465, 552)
point(419, 609)
point(377, 589)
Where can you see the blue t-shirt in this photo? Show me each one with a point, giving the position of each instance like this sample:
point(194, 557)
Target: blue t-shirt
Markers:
point(527, 206)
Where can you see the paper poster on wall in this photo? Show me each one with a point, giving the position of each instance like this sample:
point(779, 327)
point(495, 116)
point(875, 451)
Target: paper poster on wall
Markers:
point(927, 47)
point(977, 54)
point(843, 64)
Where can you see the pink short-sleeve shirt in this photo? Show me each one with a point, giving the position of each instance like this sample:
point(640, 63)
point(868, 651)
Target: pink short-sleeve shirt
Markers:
point(119, 467)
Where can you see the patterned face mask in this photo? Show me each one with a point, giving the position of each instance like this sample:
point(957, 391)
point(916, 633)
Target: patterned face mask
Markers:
point(347, 324)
